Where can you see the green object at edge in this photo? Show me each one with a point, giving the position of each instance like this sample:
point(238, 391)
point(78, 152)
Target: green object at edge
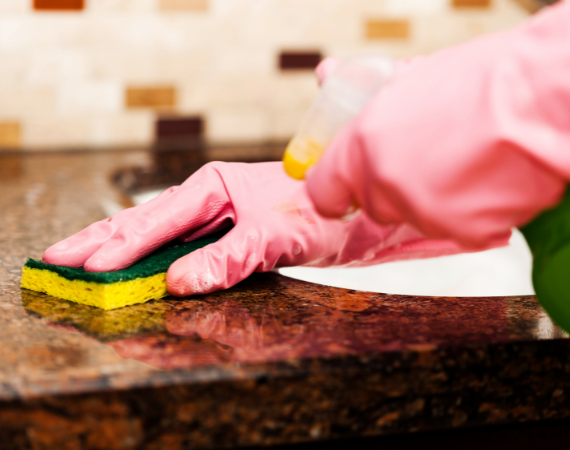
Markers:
point(548, 237)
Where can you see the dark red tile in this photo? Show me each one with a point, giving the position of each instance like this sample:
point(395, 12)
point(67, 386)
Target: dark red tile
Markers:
point(59, 5)
point(179, 127)
point(302, 60)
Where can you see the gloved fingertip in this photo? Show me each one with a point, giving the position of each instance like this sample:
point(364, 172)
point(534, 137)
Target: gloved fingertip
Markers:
point(106, 261)
point(60, 255)
point(96, 265)
point(325, 68)
point(185, 277)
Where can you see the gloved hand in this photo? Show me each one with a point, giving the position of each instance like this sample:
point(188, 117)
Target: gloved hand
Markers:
point(463, 144)
point(274, 222)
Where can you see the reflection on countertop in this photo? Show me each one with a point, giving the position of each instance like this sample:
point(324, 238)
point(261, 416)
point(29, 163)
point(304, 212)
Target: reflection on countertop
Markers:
point(272, 360)
point(269, 318)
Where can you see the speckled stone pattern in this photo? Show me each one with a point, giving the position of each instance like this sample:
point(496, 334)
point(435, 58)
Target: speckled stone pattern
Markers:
point(271, 361)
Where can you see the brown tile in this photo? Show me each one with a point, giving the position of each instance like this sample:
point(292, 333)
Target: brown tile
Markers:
point(299, 60)
point(184, 5)
point(472, 3)
point(59, 5)
point(388, 29)
point(150, 97)
point(10, 135)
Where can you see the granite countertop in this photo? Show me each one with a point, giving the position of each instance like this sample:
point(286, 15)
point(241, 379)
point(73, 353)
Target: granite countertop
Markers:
point(271, 361)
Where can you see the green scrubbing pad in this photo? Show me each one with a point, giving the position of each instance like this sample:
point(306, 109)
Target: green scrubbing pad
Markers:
point(145, 280)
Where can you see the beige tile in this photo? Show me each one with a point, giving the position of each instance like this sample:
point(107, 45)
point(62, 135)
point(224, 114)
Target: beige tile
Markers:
point(237, 125)
point(10, 135)
point(388, 29)
point(57, 67)
point(184, 5)
point(14, 6)
point(48, 131)
point(135, 67)
point(283, 124)
point(23, 101)
point(403, 8)
point(89, 98)
point(136, 6)
point(134, 128)
point(109, 130)
point(471, 3)
point(304, 87)
point(16, 33)
point(150, 97)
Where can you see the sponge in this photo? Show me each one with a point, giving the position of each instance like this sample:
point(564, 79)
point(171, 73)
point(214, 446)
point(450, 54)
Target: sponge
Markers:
point(145, 280)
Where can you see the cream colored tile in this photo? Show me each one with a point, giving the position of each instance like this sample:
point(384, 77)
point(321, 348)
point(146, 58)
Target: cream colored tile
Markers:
point(400, 8)
point(237, 125)
point(16, 33)
point(283, 124)
point(227, 92)
point(133, 67)
point(47, 131)
point(41, 33)
point(293, 91)
point(184, 5)
point(59, 66)
point(23, 101)
point(132, 129)
point(129, 129)
point(14, 6)
point(130, 6)
point(89, 98)
point(12, 68)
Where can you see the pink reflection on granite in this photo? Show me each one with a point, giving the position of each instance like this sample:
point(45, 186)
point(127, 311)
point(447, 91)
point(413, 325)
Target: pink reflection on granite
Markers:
point(252, 340)
point(231, 332)
point(278, 319)
point(173, 352)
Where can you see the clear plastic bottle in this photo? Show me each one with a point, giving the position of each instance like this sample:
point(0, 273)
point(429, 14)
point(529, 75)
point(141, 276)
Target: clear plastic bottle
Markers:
point(343, 95)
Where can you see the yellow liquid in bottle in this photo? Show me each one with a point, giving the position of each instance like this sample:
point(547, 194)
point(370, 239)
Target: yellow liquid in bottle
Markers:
point(300, 155)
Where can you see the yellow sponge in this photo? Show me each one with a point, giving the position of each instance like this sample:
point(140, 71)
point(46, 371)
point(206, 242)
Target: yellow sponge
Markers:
point(143, 281)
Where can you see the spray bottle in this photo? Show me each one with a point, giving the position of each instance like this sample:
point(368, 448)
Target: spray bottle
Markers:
point(343, 95)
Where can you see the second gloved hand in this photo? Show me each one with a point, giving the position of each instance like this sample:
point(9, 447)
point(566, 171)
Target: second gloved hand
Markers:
point(274, 225)
point(463, 144)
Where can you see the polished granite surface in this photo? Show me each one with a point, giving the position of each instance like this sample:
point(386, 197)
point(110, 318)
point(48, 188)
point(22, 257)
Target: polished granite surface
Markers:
point(273, 360)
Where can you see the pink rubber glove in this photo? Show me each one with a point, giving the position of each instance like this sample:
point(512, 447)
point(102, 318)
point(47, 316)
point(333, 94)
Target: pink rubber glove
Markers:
point(463, 144)
point(275, 225)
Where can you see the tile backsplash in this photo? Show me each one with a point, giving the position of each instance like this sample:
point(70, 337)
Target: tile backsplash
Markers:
point(109, 73)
